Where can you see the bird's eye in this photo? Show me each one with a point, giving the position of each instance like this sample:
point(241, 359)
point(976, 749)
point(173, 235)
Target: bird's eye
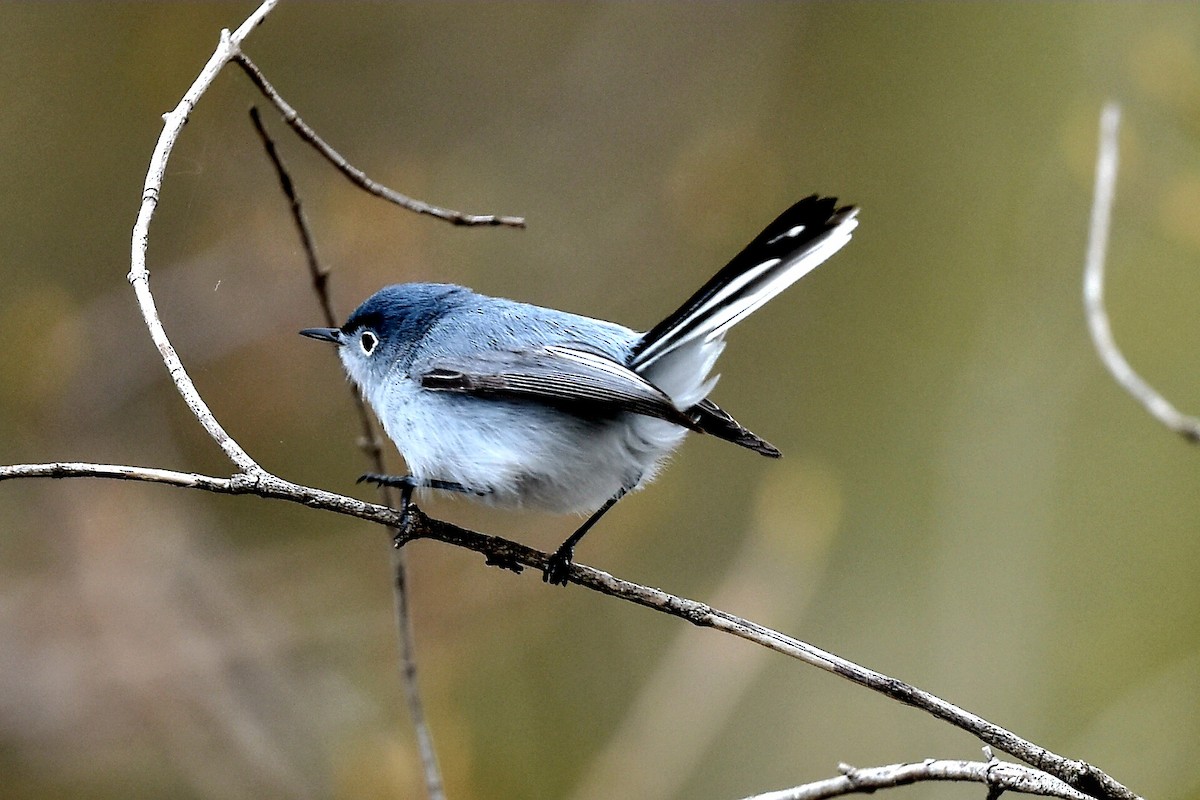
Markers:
point(368, 342)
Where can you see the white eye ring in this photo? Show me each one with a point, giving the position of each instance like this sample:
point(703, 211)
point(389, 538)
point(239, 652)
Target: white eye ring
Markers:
point(368, 341)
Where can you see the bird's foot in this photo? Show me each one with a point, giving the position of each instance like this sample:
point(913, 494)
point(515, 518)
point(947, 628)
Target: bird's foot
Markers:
point(398, 481)
point(558, 566)
point(505, 561)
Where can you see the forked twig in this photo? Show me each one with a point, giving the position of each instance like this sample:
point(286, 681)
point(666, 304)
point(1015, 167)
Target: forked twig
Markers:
point(373, 449)
point(1093, 287)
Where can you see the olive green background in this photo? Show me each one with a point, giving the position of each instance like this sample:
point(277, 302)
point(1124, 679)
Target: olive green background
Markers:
point(967, 501)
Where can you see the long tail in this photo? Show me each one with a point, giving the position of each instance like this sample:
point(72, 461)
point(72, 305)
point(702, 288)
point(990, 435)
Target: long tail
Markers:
point(798, 241)
point(678, 353)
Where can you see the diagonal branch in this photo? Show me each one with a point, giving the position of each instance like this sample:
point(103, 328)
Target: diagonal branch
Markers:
point(1093, 288)
point(998, 776)
point(514, 556)
point(371, 444)
point(353, 173)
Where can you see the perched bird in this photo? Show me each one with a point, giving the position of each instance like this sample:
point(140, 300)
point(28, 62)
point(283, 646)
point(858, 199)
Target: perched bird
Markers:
point(518, 405)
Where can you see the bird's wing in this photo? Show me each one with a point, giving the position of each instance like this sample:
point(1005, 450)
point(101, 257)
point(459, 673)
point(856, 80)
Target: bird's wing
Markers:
point(564, 377)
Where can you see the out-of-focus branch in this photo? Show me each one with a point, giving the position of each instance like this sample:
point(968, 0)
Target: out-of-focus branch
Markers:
point(370, 443)
point(353, 173)
point(998, 776)
point(514, 556)
point(372, 447)
point(1093, 287)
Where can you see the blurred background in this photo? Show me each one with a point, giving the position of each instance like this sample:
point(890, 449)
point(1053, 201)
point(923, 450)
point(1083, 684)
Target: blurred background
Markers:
point(967, 501)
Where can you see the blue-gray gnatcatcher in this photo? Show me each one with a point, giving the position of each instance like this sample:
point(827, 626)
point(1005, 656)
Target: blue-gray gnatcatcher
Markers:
point(518, 405)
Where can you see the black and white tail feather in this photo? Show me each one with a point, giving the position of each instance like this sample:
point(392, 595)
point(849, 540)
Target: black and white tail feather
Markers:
point(678, 353)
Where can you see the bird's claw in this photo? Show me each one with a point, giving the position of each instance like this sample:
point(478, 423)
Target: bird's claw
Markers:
point(384, 480)
point(505, 561)
point(558, 567)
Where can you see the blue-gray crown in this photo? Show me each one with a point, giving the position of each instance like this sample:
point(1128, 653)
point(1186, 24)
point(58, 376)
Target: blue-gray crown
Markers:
point(405, 311)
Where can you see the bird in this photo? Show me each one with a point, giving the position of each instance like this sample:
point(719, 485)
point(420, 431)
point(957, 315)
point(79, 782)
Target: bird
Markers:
point(517, 405)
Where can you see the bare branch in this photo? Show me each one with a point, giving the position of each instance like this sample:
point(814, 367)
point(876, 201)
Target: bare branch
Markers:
point(139, 275)
point(1093, 287)
point(514, 556)
point(353, 173)
point(373, 449)
point(319, 276)
point(121, 472)
point(997, 775)
point(262, 484)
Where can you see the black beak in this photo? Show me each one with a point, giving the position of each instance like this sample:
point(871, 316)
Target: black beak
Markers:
point(323, 334)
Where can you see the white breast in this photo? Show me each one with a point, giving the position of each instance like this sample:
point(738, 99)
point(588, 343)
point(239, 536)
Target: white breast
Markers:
point(522, 454)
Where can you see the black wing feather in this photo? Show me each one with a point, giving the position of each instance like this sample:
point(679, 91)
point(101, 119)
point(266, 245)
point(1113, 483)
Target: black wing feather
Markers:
point(715, 421)
point(579, 382)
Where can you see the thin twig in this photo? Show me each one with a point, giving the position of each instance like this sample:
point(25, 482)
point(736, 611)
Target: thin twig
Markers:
point(353, 173)
point(371, 444)
point(434, 786)
point(514, 556)
point(1093, 287)
point(372, 447)
point(997, 775)
point(319, 275)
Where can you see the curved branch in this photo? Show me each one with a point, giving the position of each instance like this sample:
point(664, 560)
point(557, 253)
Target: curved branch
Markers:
point(1093, 288)
point(998, 776)
point(139, 275)
point(229, 49)
point(514, 556)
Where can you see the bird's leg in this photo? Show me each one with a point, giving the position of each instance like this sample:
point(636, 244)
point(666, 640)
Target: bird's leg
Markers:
point(558, 566)
point(407, 484)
